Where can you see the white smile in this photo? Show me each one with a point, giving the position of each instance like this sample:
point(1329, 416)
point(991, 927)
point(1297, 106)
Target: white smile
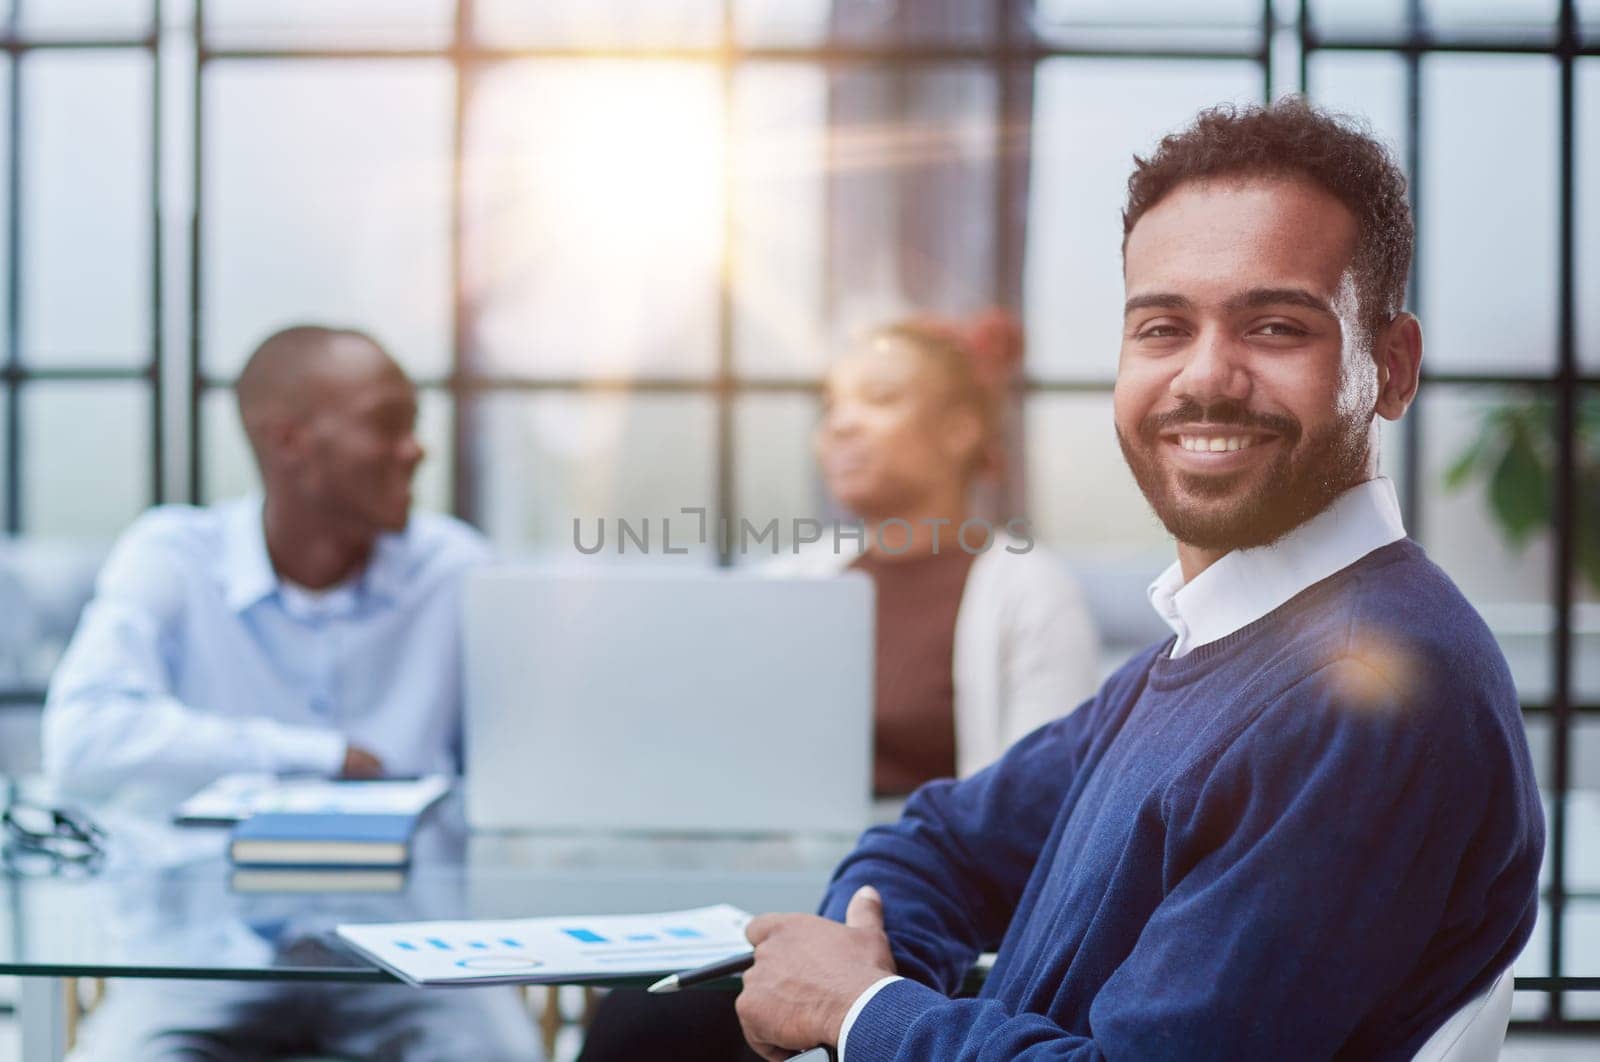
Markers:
point(1217, 443)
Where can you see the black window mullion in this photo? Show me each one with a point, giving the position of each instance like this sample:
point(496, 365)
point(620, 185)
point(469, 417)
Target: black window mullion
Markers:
point(1565, 491)
point(1016, 83)
point(197, 188)
point(1011, 125)
point(1303, 30)
point(726, 453)
point(463, 398)
point(157, 382)
point(1268, 23)
point(13, 472)
point(1411, 426)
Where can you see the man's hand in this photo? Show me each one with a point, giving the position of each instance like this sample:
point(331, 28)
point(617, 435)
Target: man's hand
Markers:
point(359, 763)
point(808, 971)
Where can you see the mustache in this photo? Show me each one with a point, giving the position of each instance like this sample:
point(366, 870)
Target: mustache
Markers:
point(1226, 413)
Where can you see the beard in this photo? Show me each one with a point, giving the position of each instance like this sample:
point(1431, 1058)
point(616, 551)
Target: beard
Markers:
point(1301, 481)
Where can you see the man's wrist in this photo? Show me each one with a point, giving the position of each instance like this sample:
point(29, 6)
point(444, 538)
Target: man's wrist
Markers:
point(843, 995)
point(858, 1005)
point(287, 748)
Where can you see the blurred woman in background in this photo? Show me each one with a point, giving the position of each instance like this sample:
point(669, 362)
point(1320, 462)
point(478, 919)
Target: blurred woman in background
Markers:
point(975, 646)
point(982, 635)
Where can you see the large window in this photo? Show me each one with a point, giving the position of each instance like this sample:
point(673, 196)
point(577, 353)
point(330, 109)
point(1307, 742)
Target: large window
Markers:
point(82, 394)
point(617, 242)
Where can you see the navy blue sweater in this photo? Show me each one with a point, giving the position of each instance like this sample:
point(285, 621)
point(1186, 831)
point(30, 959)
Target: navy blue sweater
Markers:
point(1314, 838)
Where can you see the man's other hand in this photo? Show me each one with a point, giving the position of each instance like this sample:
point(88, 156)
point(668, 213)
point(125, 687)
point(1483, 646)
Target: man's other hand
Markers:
point(807, 973)
point(359, 763)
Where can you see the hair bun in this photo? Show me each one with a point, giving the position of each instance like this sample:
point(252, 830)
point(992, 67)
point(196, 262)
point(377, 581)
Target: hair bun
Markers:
point(982, 356)
point(993, 338)
point(989, 341)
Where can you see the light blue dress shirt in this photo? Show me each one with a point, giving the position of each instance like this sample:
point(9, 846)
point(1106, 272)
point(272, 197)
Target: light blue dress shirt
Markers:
point(194, 659)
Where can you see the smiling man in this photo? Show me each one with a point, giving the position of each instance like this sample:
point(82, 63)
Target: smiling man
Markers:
point(1306, 826)
point(309, 628)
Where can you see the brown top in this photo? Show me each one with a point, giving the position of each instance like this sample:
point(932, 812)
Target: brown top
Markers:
point(915, 731)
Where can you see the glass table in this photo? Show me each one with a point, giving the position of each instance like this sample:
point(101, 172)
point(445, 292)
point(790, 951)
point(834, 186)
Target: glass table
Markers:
point(167, 903)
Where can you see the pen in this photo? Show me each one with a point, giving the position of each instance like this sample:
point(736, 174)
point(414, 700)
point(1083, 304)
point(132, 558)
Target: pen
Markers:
point(701, 974)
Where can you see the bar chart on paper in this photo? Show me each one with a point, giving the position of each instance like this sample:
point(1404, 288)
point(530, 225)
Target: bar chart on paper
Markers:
point(552, 950)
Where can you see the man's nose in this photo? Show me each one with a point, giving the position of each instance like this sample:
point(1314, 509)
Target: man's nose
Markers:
point(1215, 370)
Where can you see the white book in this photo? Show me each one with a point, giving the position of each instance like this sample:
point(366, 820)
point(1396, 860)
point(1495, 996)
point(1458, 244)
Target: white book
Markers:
point(236, 797)
point(317, 879)
point(552, 950)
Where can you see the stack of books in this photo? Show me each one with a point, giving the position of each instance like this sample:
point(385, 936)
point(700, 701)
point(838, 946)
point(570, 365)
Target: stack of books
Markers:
point(318, 836)
point(309, 839)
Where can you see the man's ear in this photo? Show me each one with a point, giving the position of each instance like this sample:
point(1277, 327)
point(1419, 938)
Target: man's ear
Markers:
point(1397, 349)
point(281, 439)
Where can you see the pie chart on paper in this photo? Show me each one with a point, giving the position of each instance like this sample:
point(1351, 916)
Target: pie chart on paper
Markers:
point(499, 964)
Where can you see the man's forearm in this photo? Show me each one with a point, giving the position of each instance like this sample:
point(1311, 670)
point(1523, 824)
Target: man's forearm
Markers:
point(98, 741)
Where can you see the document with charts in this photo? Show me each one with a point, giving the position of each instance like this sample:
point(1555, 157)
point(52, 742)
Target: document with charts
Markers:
point(552, 950)
point(236, 797)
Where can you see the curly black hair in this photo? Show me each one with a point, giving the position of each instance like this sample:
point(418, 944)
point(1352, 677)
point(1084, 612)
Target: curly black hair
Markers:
point(1291, 137)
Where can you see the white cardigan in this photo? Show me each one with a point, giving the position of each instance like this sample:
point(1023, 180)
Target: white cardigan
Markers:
point(1026, 650)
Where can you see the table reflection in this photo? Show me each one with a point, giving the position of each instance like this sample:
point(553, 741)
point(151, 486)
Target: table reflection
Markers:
point(167, 902)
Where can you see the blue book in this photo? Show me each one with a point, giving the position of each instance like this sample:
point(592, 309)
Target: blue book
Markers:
point(303, 839)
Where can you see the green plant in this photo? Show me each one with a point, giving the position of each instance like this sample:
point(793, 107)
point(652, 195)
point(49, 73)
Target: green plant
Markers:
point(1514, 454)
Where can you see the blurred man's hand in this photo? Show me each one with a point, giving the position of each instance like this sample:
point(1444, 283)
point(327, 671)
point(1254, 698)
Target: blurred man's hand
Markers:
point(359, 763)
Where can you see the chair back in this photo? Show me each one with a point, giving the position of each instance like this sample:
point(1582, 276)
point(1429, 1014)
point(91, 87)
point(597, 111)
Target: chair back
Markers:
point(1476, 1031)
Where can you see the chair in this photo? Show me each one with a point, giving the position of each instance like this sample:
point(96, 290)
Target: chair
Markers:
point(1475, 1032)
point(552, 1017)
point(1472, 1034)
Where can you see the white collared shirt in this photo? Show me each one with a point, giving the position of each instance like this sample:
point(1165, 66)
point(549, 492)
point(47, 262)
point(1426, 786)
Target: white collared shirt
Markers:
point(1245, 585)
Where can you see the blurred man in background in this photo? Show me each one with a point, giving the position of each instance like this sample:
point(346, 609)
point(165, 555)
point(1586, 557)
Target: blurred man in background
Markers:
point(313, 628)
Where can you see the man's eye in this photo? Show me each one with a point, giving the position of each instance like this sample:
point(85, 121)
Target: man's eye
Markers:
point(1281, 328)
point(397, 423)
point(1159, 332)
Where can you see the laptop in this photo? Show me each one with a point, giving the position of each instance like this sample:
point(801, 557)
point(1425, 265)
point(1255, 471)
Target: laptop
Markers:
point(709, 702)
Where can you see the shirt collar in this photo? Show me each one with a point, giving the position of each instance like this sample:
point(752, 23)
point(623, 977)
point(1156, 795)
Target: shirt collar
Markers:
point(1246, 584)
point(387, 568)
point(247, 573)
point(248, 576)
